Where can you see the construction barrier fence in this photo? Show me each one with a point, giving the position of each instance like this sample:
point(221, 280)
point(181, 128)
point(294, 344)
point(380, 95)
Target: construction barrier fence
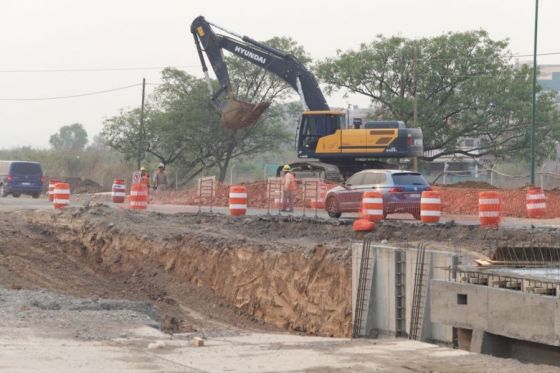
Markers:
point(453, 203)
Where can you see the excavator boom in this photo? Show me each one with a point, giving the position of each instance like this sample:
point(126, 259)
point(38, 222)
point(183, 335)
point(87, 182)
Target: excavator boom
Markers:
point(321, 134)
point(236, 113)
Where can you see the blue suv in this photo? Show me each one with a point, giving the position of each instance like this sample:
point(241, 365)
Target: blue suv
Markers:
point(21, 177)
point(401, 191)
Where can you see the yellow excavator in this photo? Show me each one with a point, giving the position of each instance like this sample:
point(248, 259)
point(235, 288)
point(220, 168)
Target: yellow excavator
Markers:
point(338, 152)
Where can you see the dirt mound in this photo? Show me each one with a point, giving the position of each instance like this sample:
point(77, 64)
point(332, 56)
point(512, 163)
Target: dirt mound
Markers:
point(256, 196)
point(80, 185)
point(472, 184)
point(238, 114)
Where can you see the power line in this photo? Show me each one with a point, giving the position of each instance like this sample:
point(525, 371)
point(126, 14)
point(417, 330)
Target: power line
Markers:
point(101, 69)
point(140, 68)
point(76, 95)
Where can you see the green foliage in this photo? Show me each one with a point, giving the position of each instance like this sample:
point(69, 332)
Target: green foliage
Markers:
point(183, 128)
point(251, 83)
point(463, 87)
point(70, 138)
point(95, 162)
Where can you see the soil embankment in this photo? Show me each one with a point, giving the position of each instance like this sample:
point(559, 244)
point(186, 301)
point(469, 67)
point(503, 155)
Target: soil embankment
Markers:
point(205, 272)
point(293, 285)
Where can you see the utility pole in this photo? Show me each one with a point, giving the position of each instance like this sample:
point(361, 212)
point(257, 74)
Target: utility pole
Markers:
point(533, 111)
point(415, 106)
point(141, 137)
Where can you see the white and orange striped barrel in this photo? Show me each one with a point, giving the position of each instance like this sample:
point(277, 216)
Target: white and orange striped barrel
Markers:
point(536, 203)
point(118, 191)
point(430, 206)
point(61, 195)
point(138, 196)
point(489, 209)
point(50, 193)
point(372, 206)
point(237, 200)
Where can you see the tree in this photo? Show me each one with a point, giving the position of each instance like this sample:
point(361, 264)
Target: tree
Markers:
point(463, 85)
point(70, 138)
point(125, 134)
point(182, 127)
point(205, 143)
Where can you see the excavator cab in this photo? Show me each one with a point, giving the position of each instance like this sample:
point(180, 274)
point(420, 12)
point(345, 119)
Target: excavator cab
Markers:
point(313, 126)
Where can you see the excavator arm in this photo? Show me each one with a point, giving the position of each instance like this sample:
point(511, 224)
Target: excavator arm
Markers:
point(281, 64)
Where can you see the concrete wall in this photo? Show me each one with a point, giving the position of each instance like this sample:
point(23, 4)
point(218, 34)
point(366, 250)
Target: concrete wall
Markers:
point(503, 312)
point(381, 319)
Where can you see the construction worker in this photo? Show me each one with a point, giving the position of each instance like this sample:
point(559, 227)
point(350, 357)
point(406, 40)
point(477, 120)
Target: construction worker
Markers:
point(144, 177)
point(160, 178)
point(288, 189)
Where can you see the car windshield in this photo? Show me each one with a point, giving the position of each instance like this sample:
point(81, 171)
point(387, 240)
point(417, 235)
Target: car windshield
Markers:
point(409, 179)
point(26, 168)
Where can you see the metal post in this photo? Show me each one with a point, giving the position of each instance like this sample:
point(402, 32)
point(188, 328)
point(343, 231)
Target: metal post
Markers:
point(141, 142)
point(533, 112)
point(231, 174)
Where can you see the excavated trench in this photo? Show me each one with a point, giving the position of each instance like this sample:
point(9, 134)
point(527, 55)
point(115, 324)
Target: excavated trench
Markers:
point(291, 285)
point(209, 272)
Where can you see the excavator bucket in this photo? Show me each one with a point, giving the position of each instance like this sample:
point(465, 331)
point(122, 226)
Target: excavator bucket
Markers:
point(238, 114)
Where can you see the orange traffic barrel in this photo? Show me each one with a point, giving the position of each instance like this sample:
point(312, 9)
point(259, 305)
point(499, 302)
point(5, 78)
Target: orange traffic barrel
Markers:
point(372, 206)
point(118, 191)
point(50, 193)
point(237, 200)
point(489, 209)
point(138, 196)
point(61, 195)
point(430, 207)
point(363, 225)
point(536, 203)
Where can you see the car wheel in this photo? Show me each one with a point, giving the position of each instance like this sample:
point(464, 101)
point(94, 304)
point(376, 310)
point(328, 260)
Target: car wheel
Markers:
point(16, 195)
point(332, 208)
point(3, 192)
point(36, 195)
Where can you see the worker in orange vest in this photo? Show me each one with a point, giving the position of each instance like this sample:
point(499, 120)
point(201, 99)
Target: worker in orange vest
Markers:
point(145, 177)
point(288, 189)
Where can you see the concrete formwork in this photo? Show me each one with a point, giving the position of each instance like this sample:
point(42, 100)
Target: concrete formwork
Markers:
point(381, 314)
point(500, 322)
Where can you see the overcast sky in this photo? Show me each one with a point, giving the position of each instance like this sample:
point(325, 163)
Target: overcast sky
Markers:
point(38, 36)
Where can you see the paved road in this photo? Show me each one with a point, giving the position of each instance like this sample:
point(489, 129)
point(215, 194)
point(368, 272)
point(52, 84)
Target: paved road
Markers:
point(25, 202)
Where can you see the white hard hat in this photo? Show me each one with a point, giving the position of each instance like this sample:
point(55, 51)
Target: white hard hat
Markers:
point(161, 165)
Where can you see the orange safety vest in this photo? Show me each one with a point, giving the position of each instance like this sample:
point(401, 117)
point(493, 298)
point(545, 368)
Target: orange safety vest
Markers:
point(146, 179)
point(291, 180)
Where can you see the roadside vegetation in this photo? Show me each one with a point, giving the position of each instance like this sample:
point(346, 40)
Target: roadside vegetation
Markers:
point(453, 86)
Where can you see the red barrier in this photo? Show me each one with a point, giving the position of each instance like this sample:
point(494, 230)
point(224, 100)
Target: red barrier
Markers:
point(138, 197)
point(536, 203)
point(372, 206)
point(118, 193)
point(430, 207)
point(61, 195)
point(50, 193)
point(237, 200)
point(489, 206)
